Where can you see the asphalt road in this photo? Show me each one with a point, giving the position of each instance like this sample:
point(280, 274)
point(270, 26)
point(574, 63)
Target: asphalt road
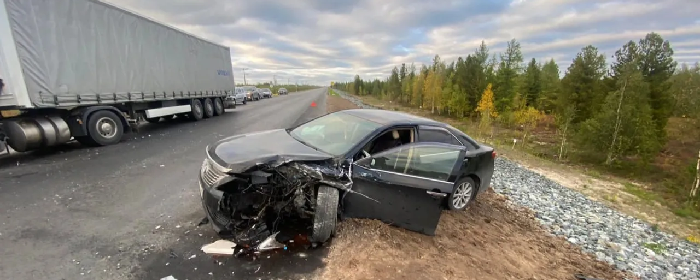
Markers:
point(130, 211)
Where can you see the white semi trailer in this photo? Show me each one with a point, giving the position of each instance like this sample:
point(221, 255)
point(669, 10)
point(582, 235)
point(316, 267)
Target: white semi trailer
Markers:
point(87, 70)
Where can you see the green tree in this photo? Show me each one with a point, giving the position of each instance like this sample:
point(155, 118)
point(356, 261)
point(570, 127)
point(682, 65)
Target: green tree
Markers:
point(533, 83)
point(621, 127)
point(581, 85)
point(551, 87)
point(506, 75)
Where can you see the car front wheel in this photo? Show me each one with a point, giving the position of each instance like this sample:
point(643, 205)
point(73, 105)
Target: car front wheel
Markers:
point(462, 194)
point(325, 214)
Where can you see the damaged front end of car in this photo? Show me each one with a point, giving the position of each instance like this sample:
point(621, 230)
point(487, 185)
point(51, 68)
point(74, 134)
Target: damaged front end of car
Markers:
point(263, 205)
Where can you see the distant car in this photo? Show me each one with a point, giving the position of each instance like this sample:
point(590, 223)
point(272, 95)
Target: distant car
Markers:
point(265, 93)
point(378, 164)
point(240, 96)
point(251, 93)
point(282, 91)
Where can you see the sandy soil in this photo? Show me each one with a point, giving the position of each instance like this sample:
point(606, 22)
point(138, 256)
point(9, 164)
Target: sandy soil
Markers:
point(490, 240)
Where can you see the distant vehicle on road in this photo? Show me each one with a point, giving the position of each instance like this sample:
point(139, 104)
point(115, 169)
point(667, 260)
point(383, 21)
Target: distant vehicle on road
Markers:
point(240, 96)
point(282, 91)
point(265, 93)
point(386, 165)
point(64, 93)
point(251, 93)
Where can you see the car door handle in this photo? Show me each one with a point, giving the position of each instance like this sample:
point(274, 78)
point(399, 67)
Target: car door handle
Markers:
point(436, 194)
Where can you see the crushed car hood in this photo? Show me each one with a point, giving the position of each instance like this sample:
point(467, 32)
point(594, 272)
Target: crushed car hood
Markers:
point(242, 152)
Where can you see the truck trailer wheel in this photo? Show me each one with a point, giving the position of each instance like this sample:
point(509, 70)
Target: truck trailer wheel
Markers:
point(325, 214)
point(197, 110)
point(219, 107)
point(208, 108)
point(104, 128)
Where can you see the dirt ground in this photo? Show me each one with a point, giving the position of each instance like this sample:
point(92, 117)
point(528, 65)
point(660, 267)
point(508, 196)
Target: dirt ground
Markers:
point(490, 240)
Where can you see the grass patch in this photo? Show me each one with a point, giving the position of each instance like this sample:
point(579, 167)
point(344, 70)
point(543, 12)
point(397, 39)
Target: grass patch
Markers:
point(612, 198)
point(331, 92)
point(640, 193)
point(687, 212)
point(655, 247)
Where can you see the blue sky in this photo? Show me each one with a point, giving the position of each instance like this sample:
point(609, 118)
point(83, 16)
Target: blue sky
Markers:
point(318, 41)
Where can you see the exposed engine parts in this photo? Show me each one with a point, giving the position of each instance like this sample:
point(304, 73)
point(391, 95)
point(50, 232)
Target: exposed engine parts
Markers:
point(269, 200)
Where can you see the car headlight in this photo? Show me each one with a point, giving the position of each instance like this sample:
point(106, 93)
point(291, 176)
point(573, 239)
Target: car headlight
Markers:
point(211, 173)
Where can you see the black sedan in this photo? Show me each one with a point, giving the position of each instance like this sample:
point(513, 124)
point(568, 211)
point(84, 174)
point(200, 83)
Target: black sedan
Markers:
point(386, 165)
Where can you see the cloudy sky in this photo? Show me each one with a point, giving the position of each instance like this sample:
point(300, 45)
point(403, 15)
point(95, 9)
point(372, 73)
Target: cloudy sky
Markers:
point(318, 41)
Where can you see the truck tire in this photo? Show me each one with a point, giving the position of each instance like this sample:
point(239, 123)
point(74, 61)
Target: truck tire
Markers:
point(208, 108)
point(104, 128)
point(197, 110)
point(326, 214)
point(218, 107)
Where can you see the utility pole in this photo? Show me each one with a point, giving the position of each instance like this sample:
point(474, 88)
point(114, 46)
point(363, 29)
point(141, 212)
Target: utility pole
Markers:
point(244, 81)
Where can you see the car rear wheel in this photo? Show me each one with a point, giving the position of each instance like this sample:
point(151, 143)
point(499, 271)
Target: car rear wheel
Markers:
point(326, 214)
point(463, 193)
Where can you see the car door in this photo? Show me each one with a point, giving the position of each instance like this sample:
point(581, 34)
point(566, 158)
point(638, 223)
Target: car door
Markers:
point(404, 186)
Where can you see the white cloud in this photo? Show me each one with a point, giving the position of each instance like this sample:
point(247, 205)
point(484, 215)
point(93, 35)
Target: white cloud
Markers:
point(324, 40)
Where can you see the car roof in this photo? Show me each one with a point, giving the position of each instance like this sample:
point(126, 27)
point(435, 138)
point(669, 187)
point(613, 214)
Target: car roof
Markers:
point(386, 117)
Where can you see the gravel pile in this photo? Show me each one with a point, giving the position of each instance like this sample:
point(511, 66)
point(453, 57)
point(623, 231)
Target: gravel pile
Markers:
point(620, 240)
point(353, 100)
point(623, 241)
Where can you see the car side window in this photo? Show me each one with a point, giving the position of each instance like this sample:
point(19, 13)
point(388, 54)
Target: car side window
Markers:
point(437, 135)
point(423, 161)
point(392, 161)
point(432, 162)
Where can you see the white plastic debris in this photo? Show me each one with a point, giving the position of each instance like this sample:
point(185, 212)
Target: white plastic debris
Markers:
point(219, 247)
point(168, 278)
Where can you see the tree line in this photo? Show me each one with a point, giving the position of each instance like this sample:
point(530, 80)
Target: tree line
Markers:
point(610, 112)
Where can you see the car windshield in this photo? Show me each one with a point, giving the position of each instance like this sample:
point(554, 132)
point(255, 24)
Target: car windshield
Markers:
point(266, 90)
point(335, 133)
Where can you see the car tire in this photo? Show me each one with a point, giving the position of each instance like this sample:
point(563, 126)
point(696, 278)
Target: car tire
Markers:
point(219, 107)
point(326, 214)
point(245, 102)
point(208, 108)
point(197, 110)
point(104, 128)
point(462, 195)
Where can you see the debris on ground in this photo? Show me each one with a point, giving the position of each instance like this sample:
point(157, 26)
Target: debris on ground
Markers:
point(220, 248)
